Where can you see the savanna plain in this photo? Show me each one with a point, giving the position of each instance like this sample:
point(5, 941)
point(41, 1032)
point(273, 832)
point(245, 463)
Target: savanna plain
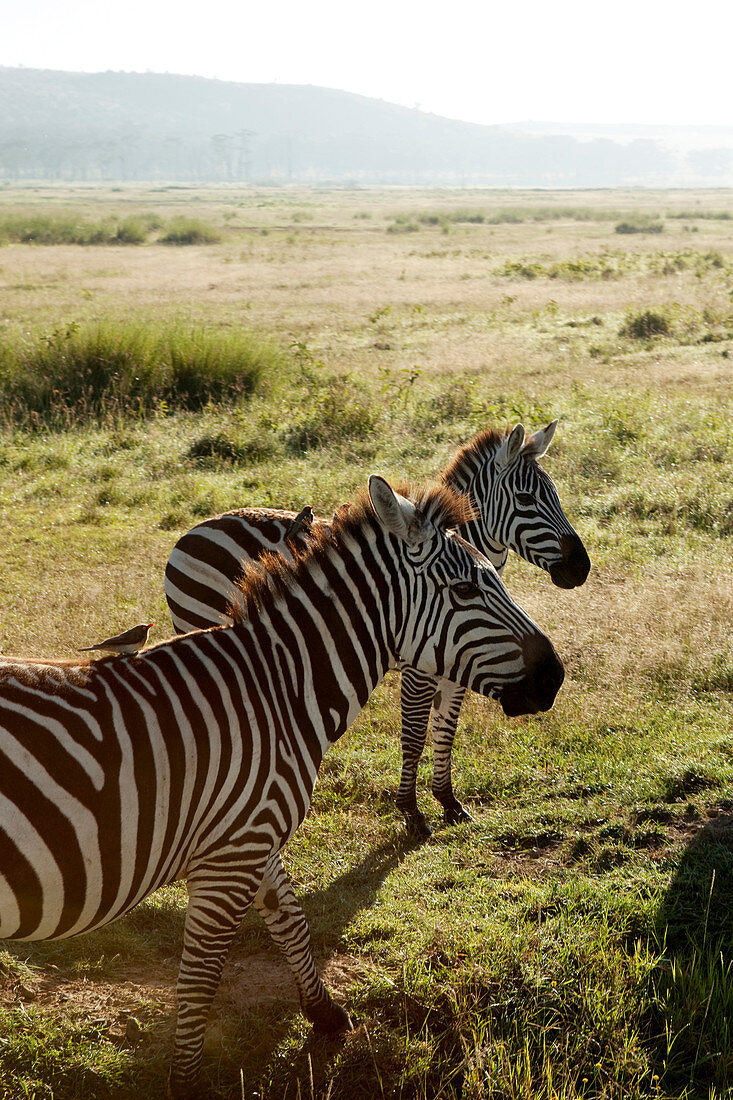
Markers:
point(169, 353)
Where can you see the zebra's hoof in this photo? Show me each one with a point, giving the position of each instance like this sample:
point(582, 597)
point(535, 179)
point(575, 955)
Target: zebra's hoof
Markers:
point(329, 1019)
point(456, 815)
point(417, 826)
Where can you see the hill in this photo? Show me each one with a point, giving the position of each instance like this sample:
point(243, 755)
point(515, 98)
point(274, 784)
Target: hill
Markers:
point(150, 126)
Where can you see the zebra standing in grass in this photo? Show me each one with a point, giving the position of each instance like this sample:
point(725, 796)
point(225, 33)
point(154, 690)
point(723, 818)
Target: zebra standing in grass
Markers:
point(517, 508)
point(197, 758)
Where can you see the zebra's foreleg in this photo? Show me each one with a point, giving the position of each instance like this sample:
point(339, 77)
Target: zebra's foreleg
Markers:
point(278, 906)
point(417, 691)
point(216, 905)
point(447, 704)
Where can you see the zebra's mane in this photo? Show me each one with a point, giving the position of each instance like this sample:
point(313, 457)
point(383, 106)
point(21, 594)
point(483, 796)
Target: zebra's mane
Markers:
point(478, 449)
point(439, 504)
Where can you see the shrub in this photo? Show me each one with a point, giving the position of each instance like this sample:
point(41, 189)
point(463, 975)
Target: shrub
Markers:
point(642, 225)
point(644, 325)
point(403, 224)
point(190, 231)
point(472, 217)
point(68, 228)
point(518, 269)
point(222, 450)
point(111, 369)
point(134, 230)
point(218, 447)
point(341, 412)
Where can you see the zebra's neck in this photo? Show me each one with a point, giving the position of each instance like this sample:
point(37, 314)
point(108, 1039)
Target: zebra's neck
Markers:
point(472, 475)
point(330, 635)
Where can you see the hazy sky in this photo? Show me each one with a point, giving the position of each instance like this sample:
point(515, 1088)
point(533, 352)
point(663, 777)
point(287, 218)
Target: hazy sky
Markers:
point(569, 60)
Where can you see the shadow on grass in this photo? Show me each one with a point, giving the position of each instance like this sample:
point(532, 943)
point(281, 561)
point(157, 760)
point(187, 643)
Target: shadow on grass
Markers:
point(693, 987)
point(329, 912)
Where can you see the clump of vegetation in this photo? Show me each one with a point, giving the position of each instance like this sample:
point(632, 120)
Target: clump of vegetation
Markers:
point(110, 368)
point(642, 326)
point(68, 228)
point(521, 269)
point(135, 230)
point(639, 225)
point(715, 215)
point(402, 223)
point(340, 411)
point(190, 231)
point(214, 450)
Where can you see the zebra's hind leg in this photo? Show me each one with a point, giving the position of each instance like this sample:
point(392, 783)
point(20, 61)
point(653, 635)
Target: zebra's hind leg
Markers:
point(278, 906)
point(417, 691)
point(448, 702)
point(217, 901)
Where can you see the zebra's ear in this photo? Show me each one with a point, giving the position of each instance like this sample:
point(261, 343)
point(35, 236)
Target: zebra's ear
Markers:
point(511, 447)
point(537, 444)
point(396, 513)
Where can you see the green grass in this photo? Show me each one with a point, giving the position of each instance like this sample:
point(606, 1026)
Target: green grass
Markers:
point(575, 939)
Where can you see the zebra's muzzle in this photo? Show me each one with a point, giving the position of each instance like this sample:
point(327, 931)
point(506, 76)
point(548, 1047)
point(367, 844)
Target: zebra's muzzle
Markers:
point(573, 568)
point(543, 677)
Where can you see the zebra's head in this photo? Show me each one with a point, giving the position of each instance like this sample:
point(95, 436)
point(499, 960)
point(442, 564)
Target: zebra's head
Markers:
point(453, 616)
point(518, 504)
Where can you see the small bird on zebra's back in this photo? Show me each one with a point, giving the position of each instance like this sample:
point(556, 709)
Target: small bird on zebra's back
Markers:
point(300, 525)
point(129, 641)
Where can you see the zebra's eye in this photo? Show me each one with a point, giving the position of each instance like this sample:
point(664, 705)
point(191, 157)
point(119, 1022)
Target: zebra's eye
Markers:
point(525, 499)
point(465, 589)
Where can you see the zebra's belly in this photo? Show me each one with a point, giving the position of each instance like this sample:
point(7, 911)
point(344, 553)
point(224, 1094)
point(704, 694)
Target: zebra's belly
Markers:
point(60, 881)
point(70, 868)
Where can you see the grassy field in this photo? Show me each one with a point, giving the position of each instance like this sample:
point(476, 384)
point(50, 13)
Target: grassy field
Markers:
point(575, 939)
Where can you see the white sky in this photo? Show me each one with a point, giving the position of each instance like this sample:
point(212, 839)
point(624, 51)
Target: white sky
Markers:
point(643, 61)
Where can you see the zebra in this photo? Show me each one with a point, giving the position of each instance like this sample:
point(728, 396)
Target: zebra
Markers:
point(196, 758)
point(517, 508)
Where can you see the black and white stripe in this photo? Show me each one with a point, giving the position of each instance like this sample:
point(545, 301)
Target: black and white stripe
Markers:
point(197, 758)
point(517, 508)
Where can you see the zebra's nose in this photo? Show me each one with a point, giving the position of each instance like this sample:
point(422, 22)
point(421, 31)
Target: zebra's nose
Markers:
point(543, 677)
point(573, 568)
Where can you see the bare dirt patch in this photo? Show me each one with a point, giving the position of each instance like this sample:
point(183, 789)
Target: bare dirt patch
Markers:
point(149, 993)
point(264, 977)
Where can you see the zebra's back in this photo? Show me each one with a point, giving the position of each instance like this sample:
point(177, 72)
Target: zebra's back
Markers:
point(206, 563)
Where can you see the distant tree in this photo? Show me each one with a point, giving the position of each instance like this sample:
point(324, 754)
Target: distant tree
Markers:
point(222, 147)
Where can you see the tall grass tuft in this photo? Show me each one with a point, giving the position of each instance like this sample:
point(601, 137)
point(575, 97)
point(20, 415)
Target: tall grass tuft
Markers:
point(69, 228)
point(190, 231)
point(60, 227)
point(639, 224)
point(112, 368)
point(642, 326)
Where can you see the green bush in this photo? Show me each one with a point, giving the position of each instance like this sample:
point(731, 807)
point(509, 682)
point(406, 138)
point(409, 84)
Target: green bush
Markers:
point(518, 269)
point(644, 325)
point(640, 225)
point(69, 228)
point(403, 224)
point(114, 368)
point(135, 230)
point(341, 412)
point(190, 231)
point(221, 449)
